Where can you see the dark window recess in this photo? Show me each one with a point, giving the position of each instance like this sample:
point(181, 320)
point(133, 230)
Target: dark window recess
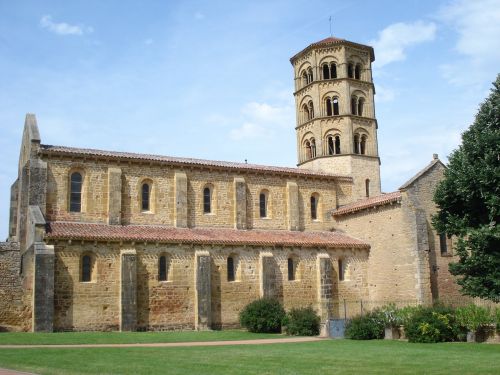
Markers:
point(335, 107)
point(207, 195)
point(162, 268)
point(263, 205)
point(360, 107)
point(337, 144)
point(291, 269)
point(333, 71)
point(357, 72)
point(328, 107)
point(443, 245)
point(326, 72)
point(75, 200)
point(230, 269)
point(145, 197)
point(331, 149)
point(341, 270)
point(363, 145)
point(353, 106)
point(86, 268)
point(350, 72)
point(356, 144)
point(367, 187)
point(314, 208)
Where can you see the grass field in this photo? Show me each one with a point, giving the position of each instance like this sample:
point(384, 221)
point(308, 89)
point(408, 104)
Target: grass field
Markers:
point(325, 357)
point(24, 338)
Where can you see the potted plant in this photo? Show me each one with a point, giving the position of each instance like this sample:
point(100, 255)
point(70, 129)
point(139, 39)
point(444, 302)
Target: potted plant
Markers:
point(392, 321)
point(476, 320)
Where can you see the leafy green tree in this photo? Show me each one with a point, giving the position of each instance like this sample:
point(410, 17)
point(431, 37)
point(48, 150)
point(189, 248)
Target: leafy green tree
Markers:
point(469, 202)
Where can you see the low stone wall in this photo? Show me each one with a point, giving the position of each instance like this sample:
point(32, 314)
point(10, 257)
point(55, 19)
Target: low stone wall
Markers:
point(11, 304)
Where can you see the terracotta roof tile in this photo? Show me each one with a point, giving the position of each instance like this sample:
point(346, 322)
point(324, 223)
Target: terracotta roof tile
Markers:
point(334, 40)
point(208, 236)
point(379, 200)
point(62, 150)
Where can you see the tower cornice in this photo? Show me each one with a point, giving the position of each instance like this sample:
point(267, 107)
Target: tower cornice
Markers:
point(328, 42)
point(340, 79)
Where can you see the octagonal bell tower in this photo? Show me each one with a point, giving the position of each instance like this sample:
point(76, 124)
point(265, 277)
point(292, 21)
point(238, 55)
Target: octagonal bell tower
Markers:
point(336, 125)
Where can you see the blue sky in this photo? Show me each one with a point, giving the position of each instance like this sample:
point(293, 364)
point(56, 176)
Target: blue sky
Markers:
point(212, 79)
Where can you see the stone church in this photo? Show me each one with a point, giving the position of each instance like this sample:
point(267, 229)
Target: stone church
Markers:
point(104, 240)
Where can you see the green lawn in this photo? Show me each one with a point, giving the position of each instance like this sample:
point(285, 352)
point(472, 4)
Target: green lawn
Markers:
point(325, 357)
point(25, 338)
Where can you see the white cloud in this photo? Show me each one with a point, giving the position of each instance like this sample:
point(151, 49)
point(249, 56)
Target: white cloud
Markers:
point(63, 28)
point(477, 24)
point(262, 120)
point(394, 39)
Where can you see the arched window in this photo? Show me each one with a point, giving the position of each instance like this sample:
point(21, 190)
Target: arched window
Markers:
point(230, 269)
point(335, 106)
point(86, 268)
point(337, 144)
point(291, 269)
point(145, 197)
point(328, 107)
point(326, 71)
point(363, 145)
point(308, 150)
point(309, 75)
point(75, 197)
point(361, 103)
point(311, 110)
point(353, 105)
point(314, 207)
point(367, 187)
point(356, 143)
point(263, 204)
point(307, 115)
point(331, 146)
point(313, 148)
point(163, 268)
point(350, 71)
point(207, 200)
point(304, 78)
point(357, 71)
point(333, 71)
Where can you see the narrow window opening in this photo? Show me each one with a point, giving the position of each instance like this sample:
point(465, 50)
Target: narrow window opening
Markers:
point(328, 107)
point(443, 245)
point(86, 268)
point(146, 192)
point(357, 72)
point(353, 105)
point(207, 200)
point(309, 75)
point(304, 79)
point(263, 204)
point(335, 107)
point(326, 72)
point(314, 208)
point(356, 144)
point(306, 113)
point(367, 187)
point(313, 148)
point(230, 269)
point(363, 145)
point(350, 73)
point(341, 270)
point(333, 71)
point(75, 203)
point(291, 269)
point(337, 144)
point(331, 149)
point(162, 269)
point(311, 111)
point(360, 107)
point(308, 150)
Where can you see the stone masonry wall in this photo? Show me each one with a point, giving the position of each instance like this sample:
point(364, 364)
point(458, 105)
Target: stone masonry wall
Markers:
point(11, 302)
point(95, 196)
point(170, 304)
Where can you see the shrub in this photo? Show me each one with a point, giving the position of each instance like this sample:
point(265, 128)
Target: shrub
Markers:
point(366, 327)
point(474, 317)
point(433, 324)
point(264, 315)
point(391, 316)
point(302, 322)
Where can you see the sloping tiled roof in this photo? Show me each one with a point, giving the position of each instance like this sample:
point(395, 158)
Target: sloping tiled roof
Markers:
point(62, 150)
point(407, 184)
point(379, 200)
point(206, 236)
point(333, 40)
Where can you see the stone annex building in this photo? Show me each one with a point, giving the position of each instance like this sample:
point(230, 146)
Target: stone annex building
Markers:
point(103, 240)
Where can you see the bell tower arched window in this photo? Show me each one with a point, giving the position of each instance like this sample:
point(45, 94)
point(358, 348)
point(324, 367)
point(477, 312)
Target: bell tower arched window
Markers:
point(331, 145)
point(363, 145)
point(356, 143)
point(333, 70)
point(313, 148)
point(361, 103)
point(350, 70)
point(309, 75)
point(335, 106)
point(353, 105)
point(326, 71)
point(357, 71)
point(328, 107)
point(75, 197)
point(311, 110)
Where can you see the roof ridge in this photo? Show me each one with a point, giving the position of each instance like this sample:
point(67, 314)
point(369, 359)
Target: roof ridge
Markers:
point(378, 200)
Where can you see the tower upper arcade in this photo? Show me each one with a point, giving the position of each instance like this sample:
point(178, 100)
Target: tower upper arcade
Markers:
point(335, 112)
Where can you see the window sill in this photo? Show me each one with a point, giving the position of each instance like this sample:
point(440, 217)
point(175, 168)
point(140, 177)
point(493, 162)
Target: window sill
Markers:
point(147, 212)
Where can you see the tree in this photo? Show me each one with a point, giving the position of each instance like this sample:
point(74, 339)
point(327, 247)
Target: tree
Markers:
point(468, 200)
